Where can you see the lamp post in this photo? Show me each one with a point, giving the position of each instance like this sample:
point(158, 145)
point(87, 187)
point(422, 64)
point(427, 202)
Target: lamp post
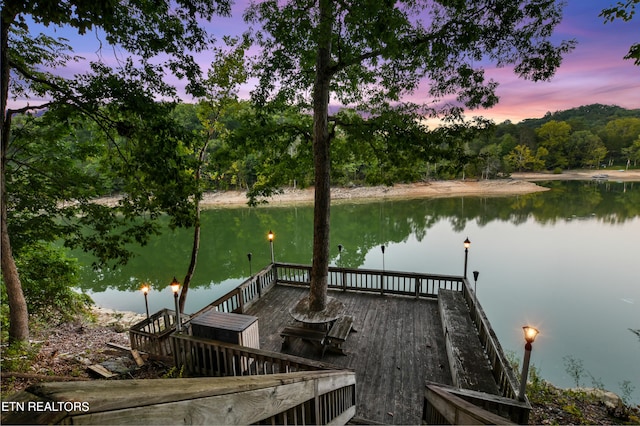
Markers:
point(145, 290)
point(382, 247)
point(175, 287)
point(530, 334)
point(467, 244)
point(475, 282)
point(270, 237)
point(249, 257)
point(340, 247)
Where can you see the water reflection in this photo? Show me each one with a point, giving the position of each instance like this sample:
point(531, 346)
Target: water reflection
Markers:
point(229, 234)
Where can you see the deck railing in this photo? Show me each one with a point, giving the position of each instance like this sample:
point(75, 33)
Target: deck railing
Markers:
point(334, 401)
point(151, 335)
point(447, 405)
point(243, 296)
point(211, 358)
point(371, 280)
point(500, 366)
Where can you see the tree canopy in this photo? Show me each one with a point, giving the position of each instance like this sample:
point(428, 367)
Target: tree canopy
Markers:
point(120, 99)
point(369, 55)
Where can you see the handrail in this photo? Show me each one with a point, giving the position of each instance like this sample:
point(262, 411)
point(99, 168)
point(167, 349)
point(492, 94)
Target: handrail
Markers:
point(244, 295)
point(370, 280)
point(444, 405)
point(322, 397)
point(210, 358)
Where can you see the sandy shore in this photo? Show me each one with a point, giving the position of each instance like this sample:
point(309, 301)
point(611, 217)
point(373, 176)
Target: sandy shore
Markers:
point(398, 191)
point(519, 183)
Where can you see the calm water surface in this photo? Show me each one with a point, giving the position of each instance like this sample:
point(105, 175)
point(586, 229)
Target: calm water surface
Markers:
point(565, 261)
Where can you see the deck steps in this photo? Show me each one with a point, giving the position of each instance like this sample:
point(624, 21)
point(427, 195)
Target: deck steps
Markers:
point(470, 368)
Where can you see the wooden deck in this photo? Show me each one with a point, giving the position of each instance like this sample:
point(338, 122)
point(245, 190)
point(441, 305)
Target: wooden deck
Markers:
point(398, 346)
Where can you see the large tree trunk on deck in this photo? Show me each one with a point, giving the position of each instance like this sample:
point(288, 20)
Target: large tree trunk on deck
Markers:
point(322, 163)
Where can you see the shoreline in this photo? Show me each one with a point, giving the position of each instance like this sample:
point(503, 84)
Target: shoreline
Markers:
point(517, 184)
point(433, 189)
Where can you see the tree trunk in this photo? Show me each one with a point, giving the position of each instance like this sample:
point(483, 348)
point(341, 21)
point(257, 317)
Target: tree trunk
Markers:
point(194, 259)
point(321, 159)
point(196, 234)
point(18, 314)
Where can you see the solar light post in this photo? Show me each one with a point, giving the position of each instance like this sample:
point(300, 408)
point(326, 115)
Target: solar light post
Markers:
point(467, 244)
point(270, 237)
point(249, 255)
point(530, 334)
point(340, 247)
point(475, 282)
point(175, 287)
point(145, 290)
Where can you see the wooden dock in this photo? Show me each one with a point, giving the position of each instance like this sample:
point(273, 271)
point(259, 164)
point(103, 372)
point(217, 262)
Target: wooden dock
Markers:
point(398, 346)
point(420, 351)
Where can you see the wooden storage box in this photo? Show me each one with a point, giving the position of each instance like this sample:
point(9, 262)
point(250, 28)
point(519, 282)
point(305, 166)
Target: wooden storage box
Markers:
point(227, 327)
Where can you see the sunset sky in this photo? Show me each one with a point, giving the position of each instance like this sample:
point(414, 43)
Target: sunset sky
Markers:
point(594, 72)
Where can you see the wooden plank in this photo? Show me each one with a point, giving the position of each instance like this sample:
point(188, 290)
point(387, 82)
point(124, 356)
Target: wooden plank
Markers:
point(245, 407)
point(119, 347)
point(101, 371)
point(467, 359)
point(137, 358)
point(234, 400)
point(458, 411)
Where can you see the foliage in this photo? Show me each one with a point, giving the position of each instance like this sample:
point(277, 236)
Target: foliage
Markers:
point(575, 368)
point(144, 149)
point(48, 279)
point(625, 11)
point(590, 136)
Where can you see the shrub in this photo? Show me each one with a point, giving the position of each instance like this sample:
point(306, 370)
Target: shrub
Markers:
point(48, 277)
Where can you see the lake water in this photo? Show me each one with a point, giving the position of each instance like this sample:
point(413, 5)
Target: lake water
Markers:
point(565, 261)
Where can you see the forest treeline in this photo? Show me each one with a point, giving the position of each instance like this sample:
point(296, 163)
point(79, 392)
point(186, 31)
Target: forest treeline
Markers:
point(244, 157)
point(260, 151)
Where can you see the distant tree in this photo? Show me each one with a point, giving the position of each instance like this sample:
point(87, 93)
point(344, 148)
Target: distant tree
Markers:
point(369, 54)
point(619, 134)
point(553, 136)
point(624, 11)
point(584, 149)
point(520, 159)
point(632, 153)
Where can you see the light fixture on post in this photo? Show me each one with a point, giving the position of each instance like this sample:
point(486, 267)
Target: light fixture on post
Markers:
point(270, 237)
point(530, 334)
point(475, 282)
point(249, 255)
point(145, 290)
point(340, 247)
point(175, 287)
point(467, 244)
